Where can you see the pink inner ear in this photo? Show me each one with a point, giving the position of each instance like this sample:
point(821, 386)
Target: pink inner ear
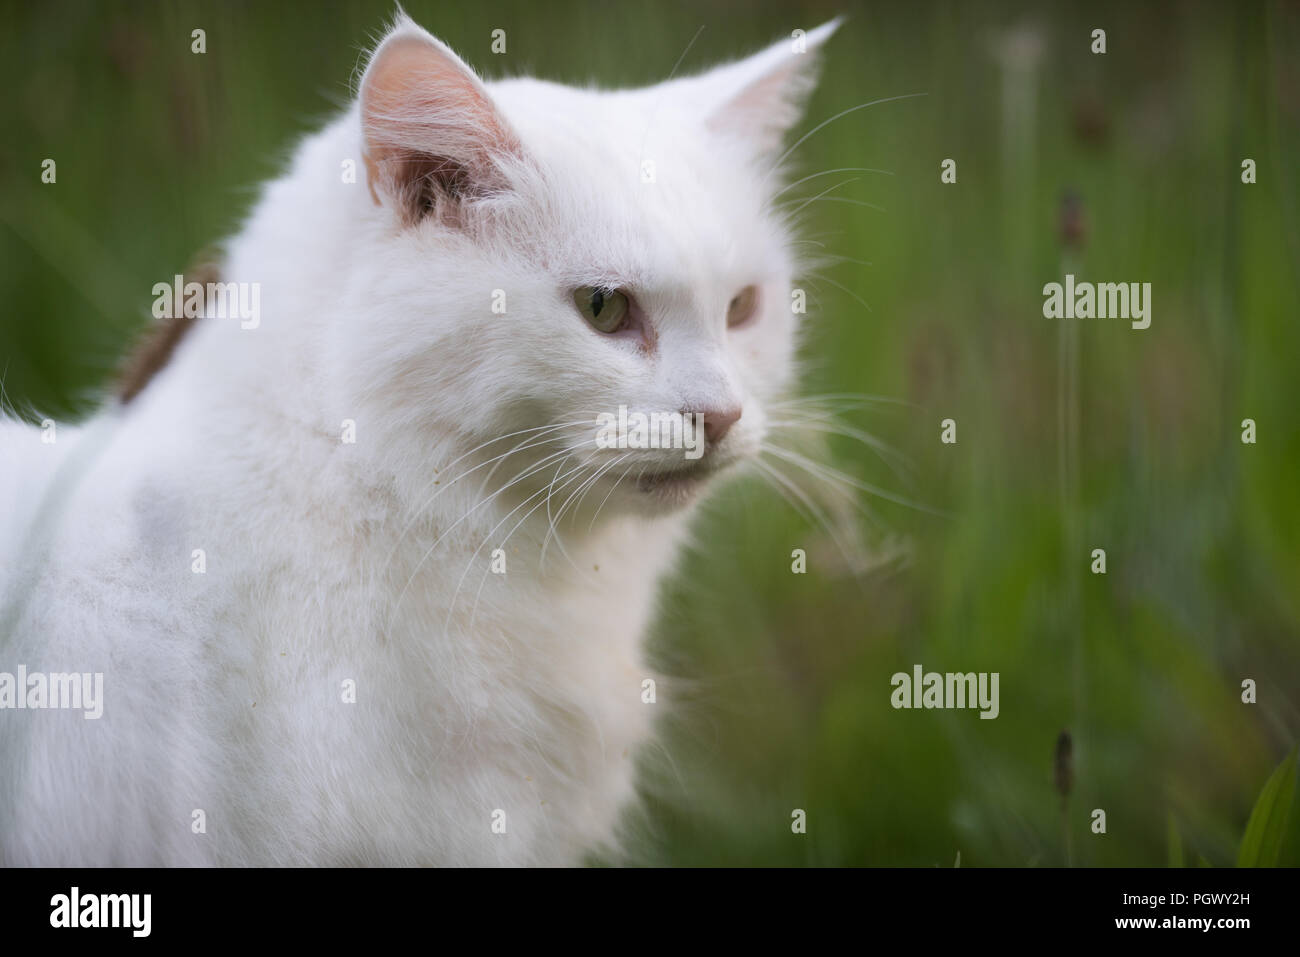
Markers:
point(418, 99)
point(414, 77)
point(761, 97)
point(768, 106)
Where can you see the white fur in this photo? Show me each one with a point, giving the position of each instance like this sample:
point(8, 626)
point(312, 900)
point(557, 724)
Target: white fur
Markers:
point(328, 561)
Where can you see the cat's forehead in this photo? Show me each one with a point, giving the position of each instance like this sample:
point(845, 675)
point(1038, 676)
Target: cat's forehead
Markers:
point(637, 183)
point(646, 127)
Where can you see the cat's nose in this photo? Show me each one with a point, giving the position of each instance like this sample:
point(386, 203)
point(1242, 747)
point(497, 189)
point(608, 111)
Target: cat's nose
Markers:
point(717, 422)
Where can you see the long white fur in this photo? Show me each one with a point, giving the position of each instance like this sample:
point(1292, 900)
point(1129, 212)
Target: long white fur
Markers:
point(369, 561)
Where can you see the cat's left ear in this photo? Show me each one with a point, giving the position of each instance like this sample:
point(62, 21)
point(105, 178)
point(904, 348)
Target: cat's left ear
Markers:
point(762, 96)
point(433, 136)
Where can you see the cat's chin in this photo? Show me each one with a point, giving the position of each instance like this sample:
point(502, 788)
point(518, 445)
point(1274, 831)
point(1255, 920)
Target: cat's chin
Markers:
point(671, 489)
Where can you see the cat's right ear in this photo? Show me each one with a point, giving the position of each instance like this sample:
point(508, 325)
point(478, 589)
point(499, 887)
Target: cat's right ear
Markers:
point(758, 99)
point(433, 136)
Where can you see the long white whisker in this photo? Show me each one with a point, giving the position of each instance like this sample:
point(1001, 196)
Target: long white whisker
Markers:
point(541, 438)
point(848, 551)
point(856, 397)
point(613, 487)
point(898, 463)
point(468, 565)
point(820, 195)
point(828, 172)
point(843, 288)
point(487, 478)
point(834, 475)
point(582, 488)
point(487, 538)
point(425, 557)
point(839, 199)
point(825, 123)
point(768, 473)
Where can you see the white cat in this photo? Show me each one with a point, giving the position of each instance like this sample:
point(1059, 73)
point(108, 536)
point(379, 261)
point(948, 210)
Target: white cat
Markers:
point(338, 619)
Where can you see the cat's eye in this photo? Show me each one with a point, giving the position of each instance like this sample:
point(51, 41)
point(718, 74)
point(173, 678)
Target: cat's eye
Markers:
point(605, 309)
point(742, 307)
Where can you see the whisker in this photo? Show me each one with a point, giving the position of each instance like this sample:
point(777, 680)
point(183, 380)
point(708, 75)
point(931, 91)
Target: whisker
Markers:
point(832, 474)
point(583, 488)
point(418, 565)
point(553, 519)
point(839, 199)
point(858, 397)
point(422, 511)
point(487, 478)
point(779, 482)
point(468, 565)
point(828, 172)
point(825, 123)
point(611, 491)
point(820, 195)
point(827, 423)
point(851, 553)
point(843, 288)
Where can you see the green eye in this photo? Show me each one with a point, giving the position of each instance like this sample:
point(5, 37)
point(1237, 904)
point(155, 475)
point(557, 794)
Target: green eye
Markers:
point(605, 309)
point(742, 306)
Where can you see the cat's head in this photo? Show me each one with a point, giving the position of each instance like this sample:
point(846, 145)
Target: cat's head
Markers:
point(583, 277)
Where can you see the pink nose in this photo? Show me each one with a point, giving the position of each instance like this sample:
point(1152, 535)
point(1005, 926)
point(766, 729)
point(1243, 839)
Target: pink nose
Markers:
point(718, 422)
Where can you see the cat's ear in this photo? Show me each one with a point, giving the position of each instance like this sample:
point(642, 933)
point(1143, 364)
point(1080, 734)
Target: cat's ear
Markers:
point(762, 96)
point(433, 136)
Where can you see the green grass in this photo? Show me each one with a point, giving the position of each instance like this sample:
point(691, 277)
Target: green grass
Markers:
point(784, 700)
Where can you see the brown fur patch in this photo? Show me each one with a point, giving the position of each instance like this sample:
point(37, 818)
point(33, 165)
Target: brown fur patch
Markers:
point(158, 343)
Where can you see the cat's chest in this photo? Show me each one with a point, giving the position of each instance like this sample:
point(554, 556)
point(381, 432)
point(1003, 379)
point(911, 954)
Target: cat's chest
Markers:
point(424, 722)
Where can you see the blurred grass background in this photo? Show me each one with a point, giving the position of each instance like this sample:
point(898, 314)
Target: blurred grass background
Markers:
point(1071, 435)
